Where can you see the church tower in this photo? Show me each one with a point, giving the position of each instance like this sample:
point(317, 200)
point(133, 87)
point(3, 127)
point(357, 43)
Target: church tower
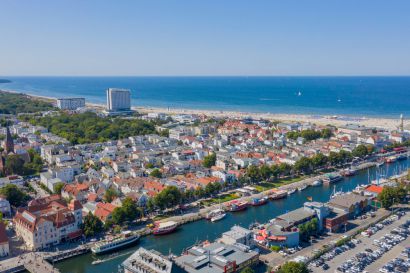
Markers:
point(8, 142)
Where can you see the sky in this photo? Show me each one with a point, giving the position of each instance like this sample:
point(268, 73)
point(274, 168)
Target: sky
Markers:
point(212, 37)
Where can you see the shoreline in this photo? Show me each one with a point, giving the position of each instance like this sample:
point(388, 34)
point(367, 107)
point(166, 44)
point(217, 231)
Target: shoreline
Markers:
point(319, 119)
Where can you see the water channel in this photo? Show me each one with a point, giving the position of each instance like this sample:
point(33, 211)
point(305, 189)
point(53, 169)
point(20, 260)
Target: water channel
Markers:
point(190, 233)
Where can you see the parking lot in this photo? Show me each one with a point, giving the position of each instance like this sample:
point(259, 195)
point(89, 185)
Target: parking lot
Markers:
point(369, 254)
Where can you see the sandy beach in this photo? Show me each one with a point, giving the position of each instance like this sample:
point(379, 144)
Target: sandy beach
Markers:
point(337, 120)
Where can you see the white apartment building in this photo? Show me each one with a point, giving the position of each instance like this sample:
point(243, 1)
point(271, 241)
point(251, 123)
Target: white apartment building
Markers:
point(118, 100)
point(70, 103)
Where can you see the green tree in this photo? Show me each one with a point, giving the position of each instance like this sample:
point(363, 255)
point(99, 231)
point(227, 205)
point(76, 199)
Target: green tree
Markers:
point(293, 267)
point(253, 173)
point(14, 165)
point(326, 133)
point(14, 195)
point(303, 165)
point(130, 208)
point(89, 127)
point(58, 187)
point(110, 194)
point(265, 172)
point(319, 160)
point(209, 160)
point(247, 270)
point(118, 216)
point(92, 225)
point(360, 151)
point(387, 196)
point(156, 173)
point(285, 169)
point(168, 198)
point(334, 158)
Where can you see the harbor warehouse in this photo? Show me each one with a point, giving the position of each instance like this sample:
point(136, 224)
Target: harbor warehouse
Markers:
point(217, 258)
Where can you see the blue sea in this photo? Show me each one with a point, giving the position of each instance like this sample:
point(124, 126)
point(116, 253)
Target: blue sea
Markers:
point(351, 96)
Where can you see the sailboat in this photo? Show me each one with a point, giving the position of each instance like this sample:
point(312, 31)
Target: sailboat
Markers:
point(335, 193)
point(299, 94)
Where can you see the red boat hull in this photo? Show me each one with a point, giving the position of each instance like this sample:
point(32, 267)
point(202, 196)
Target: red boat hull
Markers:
point(163, 232)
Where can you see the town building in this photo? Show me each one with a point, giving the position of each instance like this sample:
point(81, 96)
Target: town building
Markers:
point(336, 220)
point(216, 258)
point(145, 261)
point(351, 203)
point(12, 179)
point(5, 206)
point(237, 235)
point(118, 101)
point(4, 241)
point(48, 221)
point(70, 103)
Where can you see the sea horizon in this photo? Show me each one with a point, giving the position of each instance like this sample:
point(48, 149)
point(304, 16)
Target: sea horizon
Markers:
point(357, 96)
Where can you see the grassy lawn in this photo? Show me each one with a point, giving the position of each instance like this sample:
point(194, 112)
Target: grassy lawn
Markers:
point(221, 199)
point(270, 185)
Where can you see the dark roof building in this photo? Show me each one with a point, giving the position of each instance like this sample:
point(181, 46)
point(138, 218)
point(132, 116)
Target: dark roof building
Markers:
point(216, 258)
point(351, 203)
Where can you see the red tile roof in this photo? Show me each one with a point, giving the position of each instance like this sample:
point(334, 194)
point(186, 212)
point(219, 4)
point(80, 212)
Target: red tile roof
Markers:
point(374, 189)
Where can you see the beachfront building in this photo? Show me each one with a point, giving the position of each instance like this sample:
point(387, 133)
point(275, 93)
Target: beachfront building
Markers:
point(70, 103)
point(118, 101)
point(144, 261)
point(48, 221)
point(216, 258)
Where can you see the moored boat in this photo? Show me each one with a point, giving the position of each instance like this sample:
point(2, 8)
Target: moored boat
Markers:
point(259, 201)
point(348, 172)
point(212, 213)
point(97, 262)
point(391, 159)
point(401, 157)
point(238, 206)
point(279, 194)
point(332, 178)
point(303, 187)
point(127, 238)
point(218, 216)
point(164, 228)
point(317, 183)
point(291, 191)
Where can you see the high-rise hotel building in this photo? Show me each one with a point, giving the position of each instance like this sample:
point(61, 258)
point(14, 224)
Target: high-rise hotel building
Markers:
point(118, 100)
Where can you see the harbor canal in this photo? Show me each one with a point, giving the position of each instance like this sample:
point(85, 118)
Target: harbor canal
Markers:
point(202, 230)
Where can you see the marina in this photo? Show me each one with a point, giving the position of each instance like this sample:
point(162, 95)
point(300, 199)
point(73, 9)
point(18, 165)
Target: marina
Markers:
point(192, 232)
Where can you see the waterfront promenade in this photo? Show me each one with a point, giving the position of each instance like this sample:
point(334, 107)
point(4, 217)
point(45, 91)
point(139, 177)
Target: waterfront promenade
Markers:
point(39, 262)
point(189, 217)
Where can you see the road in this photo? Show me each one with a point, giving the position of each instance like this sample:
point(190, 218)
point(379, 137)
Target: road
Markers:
point(40, 192)
point(367, 242)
